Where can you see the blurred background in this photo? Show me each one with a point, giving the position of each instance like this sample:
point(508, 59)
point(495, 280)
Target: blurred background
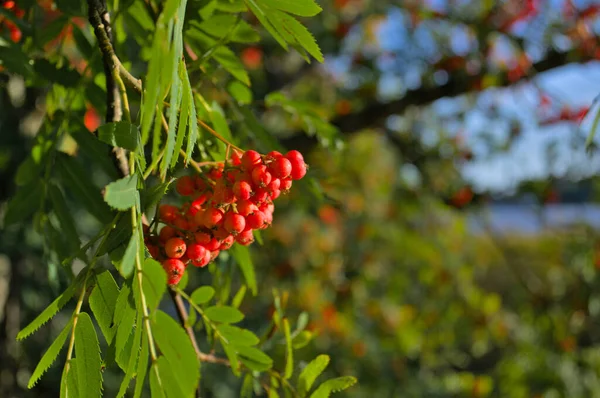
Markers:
point(447, 243)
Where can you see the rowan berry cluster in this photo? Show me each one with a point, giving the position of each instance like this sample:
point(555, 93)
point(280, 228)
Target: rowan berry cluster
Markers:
point(14, 31)
point(223, 206)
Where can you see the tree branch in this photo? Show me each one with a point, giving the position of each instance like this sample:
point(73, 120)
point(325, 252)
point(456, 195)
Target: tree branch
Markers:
point(375, 113)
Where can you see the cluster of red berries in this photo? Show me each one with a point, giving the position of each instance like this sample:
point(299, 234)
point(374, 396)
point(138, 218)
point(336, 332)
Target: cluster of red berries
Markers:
point(222, 207)
point(14, 31)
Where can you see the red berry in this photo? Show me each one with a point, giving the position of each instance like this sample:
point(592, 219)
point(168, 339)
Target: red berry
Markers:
point(242, 190)
point(250, 159)
point(281, 167)
point(216, 173)
point(196, 205)
point(186, 186)
point(298, 172)
point(298, 166)
point(195, 251)
point(274, 194)
point(223, 194)
point(153, 250)
point(202, 261)
point(255, 220)
point(236, 158)
point(245, 207)
point(175, 248)
point(234, 223)
point(260, 195)
point(286, 184)
point(227, 243)
point(199, 183)
point(261, 176)
point(245, 238)
point(221, 234)
point(214, 254)
point(212, 217)
point(271, 156)
point(166, 233)
point(175, 269)
point(182, 223)
point(167, 213)
point(274, 185)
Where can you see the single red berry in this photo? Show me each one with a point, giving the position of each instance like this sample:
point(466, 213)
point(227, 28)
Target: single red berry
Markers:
point(212, 217)
point(286, 184)
point(250, 159)
point(261, 176)
point(15, 34)
point(260, 195)
point(221, 233)
point(271, 156)
point(153, 250)
point(242, 190)
point(185, 186)
point(245, 207)
point(232, 175)
point(214, 254)
point(298, 172)
point(175, 269)
point(195, 251)
point(182, 223)
point(267, 220)
point(215, 173)
point(227, 243)
point(267, 207)
point(234, 223)
point(166, 233)
point(197, 203)
point(245, 238)
point(281, 167)
point(255, 220)
point(204, 260)
point(167, 213)
point(175, 248)
point(199, 183)
point(274, 185)
point(274, 194)
point(9, 4)
point(298, 166)
point(236, 157)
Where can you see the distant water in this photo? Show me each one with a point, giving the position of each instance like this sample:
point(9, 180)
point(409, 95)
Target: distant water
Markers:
point(534, 219)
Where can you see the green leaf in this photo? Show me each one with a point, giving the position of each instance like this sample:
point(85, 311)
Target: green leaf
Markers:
point(156, 389)
point(142, 368)
point(103, 301)
point(303, 8)
point(333, 385)
point(177, 349)
point(154, 283)
point(65, 217)
point(287, 24)
point(153, 195)
point(26, 202)
point(122, 194)
point(256, 366)
point(239, 297)
point(302, 339)
point(127, 262)
point(186, 97)
point(224, 314)
point(50, 355)
point(237, 336)
point(231, 63)
point(254, 354)
point(70, 381)
point(95, 150)
point(133, 356)
point(80, 184)
point(241, 93)
point(124, 317)
point(310, 373)
point(203, 294)
point(194, 132)
point(51, 310)
point(89, 363)
point(119, 134)
point(233, 358)
point(261, 15)
point(241, 254)
point(228, 26)
point(171, 381)
point(289, 352)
